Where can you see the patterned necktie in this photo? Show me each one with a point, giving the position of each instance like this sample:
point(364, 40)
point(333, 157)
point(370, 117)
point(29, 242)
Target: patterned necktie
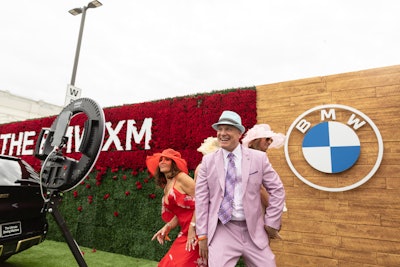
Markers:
point(225, 211)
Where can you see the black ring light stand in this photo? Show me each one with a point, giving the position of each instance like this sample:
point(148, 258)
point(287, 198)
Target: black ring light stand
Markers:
point(60, 173)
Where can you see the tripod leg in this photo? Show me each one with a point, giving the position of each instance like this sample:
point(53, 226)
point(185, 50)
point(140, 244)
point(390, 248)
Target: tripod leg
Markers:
point(73, 246)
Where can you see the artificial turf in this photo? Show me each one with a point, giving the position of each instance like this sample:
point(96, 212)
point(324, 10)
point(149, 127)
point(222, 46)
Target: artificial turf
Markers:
point(57, 254)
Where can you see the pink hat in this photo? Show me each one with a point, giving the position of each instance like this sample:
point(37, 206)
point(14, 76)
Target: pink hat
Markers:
point(261, 131)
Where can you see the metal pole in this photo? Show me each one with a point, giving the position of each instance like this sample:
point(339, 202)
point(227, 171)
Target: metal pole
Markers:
point(73, 246)
point(78, 46)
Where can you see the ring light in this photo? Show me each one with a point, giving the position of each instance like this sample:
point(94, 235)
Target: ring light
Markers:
point(58, 171)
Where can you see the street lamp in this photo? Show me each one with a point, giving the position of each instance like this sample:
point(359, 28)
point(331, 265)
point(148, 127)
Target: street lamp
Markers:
point(67, 235)
point(77, 11)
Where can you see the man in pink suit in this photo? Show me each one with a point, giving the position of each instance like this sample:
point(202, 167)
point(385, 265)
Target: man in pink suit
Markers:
point(229, 221)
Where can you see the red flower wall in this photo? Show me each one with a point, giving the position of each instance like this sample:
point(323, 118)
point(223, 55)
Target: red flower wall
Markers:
point(179, 123)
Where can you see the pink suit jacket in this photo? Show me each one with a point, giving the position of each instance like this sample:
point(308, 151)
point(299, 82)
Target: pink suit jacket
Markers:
point(256, 171)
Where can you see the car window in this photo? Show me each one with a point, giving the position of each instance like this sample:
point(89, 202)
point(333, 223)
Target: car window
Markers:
point(10, 171)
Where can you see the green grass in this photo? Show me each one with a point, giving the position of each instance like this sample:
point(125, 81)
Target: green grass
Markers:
point(50, 253)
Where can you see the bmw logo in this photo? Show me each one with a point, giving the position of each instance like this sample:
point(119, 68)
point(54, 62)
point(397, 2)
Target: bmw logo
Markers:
point(324, 148)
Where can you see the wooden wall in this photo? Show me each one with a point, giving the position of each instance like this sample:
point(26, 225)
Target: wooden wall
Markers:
point(354, 228)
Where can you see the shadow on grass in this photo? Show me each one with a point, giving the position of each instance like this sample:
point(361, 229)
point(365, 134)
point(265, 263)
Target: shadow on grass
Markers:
point(51, 253)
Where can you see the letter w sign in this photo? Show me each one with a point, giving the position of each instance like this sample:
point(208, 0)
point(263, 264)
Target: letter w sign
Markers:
point(72, 94)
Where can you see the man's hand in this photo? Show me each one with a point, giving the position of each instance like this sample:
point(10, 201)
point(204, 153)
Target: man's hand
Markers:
point(272, 232)
point(203, 249)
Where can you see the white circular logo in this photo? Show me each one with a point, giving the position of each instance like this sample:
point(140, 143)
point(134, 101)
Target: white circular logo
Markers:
point(332, 149)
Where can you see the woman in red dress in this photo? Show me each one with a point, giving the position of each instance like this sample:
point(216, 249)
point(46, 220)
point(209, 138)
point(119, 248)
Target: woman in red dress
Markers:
point(171, 173)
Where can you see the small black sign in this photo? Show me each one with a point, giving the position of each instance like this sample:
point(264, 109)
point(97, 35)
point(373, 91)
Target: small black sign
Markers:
point(10, 229)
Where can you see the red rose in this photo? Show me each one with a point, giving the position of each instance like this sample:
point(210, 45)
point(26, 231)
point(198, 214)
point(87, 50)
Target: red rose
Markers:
point(106, 196)
point(98, 176)
point(152, 196)
point(116, 214)
point(127, 193)
point(75, 194)
point(138, 185)
point(80, 208)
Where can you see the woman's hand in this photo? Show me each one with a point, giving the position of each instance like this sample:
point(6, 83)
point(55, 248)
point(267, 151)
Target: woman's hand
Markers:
point(191, 242)
point(162, 234)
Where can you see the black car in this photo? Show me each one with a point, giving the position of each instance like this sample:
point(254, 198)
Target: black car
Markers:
point(23, 222)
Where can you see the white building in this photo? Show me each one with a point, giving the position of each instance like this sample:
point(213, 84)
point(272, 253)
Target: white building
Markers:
point(16, 108)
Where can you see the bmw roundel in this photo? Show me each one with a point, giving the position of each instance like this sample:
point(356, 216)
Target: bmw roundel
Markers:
point(333, 148)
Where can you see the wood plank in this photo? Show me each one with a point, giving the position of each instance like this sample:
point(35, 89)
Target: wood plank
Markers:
point(355, 228)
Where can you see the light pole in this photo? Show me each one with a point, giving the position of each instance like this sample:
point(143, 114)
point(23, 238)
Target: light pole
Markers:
point(77, 11)
point(72, 91)
point(73, 246)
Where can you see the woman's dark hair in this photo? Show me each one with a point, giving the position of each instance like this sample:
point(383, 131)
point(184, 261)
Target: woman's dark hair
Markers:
point(161, 179)
point(255, 144)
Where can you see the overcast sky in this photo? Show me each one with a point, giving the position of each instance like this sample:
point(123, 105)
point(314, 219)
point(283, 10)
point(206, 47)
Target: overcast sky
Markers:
point(139, 51)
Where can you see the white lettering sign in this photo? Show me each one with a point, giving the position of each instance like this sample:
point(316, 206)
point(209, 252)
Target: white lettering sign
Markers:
point(22, 143)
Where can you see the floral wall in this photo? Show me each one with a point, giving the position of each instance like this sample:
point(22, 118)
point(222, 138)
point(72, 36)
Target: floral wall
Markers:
point(134, 131)
point(117, 207)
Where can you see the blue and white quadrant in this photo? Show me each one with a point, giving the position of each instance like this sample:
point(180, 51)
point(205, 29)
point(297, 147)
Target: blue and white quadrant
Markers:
point(331, 147)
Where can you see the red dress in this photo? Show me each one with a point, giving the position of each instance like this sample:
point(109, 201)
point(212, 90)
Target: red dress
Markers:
point(181, 205)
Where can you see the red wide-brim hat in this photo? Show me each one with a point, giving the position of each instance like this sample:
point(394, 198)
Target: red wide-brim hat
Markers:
point(153, 161)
